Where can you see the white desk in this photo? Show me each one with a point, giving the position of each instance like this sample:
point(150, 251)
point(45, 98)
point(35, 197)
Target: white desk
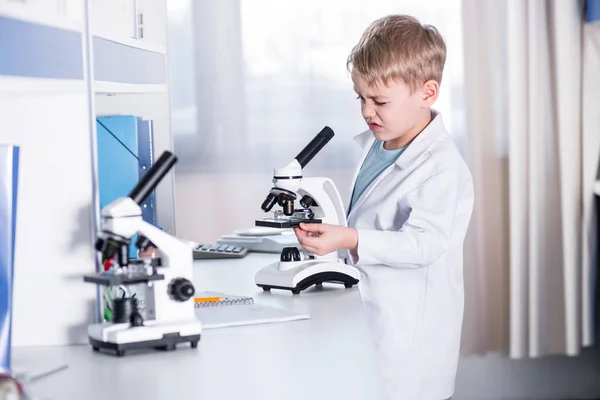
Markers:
point(329, 356)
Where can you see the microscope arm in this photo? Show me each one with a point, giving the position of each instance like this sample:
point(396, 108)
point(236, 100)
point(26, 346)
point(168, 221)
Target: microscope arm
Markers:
point(164, 241)
point(122, 219)
point(287, 180)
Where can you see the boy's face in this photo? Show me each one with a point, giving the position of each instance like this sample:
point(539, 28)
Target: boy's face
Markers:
point(393, 113)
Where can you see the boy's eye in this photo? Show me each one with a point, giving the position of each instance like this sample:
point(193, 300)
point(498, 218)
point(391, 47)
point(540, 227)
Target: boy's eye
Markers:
point(377, 103)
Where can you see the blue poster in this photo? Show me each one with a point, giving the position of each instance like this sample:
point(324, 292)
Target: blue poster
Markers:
point(9, 163)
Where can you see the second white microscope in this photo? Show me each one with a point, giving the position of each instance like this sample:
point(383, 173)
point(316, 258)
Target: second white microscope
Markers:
point(320, 202)
point(170, 313)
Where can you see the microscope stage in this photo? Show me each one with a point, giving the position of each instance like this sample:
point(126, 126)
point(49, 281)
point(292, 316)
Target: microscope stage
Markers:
point(285, 223)
point(112, 279)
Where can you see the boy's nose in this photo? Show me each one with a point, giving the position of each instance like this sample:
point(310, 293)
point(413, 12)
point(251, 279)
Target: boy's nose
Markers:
point(368, 112)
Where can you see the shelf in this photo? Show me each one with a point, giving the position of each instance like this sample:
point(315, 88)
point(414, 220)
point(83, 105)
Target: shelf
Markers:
point(21, 85)
point(131, 42)
point(28, 13)
point(107, 88)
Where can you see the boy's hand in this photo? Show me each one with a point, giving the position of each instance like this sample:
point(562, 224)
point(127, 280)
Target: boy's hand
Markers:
point(327, 238)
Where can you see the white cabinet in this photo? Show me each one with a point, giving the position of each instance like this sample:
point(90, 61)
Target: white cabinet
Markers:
point(112, 19)
point(153, 21)
point(57, 13)
point(138, 23)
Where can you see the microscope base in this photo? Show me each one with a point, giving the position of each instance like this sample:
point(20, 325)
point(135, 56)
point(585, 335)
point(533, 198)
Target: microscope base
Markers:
point(120, 338)
point(305, 274)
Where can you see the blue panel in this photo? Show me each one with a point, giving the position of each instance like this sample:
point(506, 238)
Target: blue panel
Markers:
point(33, 50)
point(592, 10)
point(123, 128)
point(117, 165)
point(146, 160)
point(9, 163)
point(116, 62)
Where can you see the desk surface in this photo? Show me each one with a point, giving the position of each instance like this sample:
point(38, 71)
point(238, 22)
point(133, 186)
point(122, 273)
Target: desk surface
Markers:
point(329, 356)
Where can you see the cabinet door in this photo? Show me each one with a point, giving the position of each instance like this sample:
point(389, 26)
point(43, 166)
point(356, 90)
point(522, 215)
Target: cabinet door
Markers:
point(113, 19)
point(70, 9)
point(58, 13)
point(152, 21)
point(124, 20)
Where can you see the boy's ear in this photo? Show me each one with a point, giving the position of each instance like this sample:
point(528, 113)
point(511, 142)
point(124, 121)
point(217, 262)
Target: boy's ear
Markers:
point(430, 92)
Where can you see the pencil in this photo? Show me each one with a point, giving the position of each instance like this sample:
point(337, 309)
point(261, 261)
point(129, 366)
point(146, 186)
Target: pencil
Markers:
point(206, 299)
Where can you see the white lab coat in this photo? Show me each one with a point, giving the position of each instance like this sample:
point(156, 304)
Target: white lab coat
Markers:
point(411, 224)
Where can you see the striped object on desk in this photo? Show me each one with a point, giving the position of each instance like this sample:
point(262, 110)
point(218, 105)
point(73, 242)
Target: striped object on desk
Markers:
point(211, 299)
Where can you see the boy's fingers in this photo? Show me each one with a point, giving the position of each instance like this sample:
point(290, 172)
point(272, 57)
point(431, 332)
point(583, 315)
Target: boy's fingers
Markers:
point(310, 249)
point(312, 227)
point(308, 241)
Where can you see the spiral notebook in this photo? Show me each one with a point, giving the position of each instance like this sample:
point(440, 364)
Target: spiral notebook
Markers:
point(224, 300)
point(231, 311)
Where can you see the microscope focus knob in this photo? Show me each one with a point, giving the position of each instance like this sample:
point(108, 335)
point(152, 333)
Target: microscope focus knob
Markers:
point(181, 289)
point(290, 254)
point(307, 201)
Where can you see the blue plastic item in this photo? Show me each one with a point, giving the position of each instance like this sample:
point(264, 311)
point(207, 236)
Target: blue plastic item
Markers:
point(125, 153)
point(9, 172)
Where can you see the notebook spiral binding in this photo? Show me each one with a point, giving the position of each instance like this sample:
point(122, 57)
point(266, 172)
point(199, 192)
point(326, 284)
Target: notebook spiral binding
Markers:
point(226, 302)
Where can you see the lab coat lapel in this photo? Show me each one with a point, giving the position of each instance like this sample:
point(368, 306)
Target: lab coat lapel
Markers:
point(364, 140)
point(370, 189)
point(422, 142)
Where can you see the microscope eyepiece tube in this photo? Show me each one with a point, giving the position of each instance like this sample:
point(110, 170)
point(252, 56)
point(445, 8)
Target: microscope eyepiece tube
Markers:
point(314, 146)
point(153, 177)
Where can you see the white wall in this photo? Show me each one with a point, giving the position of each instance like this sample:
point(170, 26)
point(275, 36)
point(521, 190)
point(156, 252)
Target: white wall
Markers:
point(53, 247)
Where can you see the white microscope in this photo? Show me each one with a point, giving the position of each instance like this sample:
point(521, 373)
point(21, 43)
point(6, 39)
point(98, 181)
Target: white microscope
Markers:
point(170, 314)
point(321, 203)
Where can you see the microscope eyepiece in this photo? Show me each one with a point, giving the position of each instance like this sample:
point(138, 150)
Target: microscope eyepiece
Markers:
point(314, 146)
point(153, 177)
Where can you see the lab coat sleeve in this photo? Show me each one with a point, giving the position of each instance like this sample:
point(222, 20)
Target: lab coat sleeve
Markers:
point(424, 236)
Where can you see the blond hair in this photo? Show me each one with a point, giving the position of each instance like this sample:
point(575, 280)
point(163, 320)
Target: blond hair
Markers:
point(399, 47)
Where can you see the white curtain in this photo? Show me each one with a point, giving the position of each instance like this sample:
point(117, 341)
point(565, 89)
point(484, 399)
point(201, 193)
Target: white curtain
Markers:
point(527, 286)
point(486, 276)
point(590, 162)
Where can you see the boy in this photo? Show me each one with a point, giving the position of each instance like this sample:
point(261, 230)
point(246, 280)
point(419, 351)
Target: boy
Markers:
point(409, 212)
